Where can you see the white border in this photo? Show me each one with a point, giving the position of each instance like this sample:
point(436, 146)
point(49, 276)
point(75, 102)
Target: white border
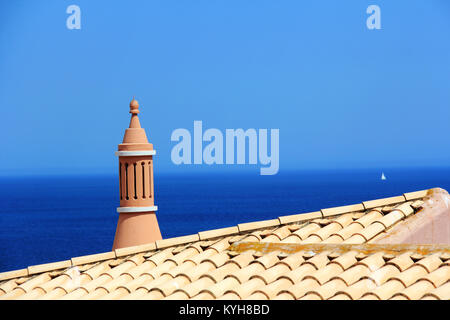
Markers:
point(137, 209)
point(135, 153)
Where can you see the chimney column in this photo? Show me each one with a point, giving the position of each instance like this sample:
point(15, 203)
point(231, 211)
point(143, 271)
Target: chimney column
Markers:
point(137, 222)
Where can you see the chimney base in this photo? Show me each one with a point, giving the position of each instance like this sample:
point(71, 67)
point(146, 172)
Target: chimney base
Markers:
point(135, 229)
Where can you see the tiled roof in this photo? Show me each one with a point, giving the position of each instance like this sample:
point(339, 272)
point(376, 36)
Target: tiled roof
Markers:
point(328, 254)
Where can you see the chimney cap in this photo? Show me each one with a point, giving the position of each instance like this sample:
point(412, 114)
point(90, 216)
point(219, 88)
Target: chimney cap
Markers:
point(134, 106)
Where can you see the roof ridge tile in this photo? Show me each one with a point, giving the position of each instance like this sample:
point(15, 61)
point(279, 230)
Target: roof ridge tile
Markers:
point(300, 217)
point(121, 252)
point(14, 274)
point(341, 209)
point(258, 225)
point(169, 242)
point(93, 258)
point(49, 267)
point(416, 194)
point(215, 233)
point(383, 202)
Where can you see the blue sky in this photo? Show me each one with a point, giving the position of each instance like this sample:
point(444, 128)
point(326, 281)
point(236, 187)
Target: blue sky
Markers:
point(341, 95)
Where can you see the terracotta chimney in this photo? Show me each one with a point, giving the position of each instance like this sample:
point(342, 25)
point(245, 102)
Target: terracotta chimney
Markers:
point(137, 218)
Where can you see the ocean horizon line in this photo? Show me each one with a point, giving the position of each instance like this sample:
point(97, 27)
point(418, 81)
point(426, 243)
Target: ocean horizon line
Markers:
point(222, 172)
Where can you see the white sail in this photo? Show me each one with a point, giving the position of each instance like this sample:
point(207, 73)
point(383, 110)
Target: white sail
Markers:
point(383, 177)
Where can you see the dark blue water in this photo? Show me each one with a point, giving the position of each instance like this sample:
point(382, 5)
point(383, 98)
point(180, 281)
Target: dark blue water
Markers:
point(47, 219)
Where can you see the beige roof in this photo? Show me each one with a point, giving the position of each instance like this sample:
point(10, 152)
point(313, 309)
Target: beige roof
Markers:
point(328, 254)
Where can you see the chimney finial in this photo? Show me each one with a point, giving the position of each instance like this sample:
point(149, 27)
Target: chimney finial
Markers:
point(134, 106)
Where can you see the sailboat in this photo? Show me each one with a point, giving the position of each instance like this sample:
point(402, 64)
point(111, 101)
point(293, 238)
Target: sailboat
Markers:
point(383, 177)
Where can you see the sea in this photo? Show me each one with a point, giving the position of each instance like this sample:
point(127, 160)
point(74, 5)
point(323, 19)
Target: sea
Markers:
point(52, 218)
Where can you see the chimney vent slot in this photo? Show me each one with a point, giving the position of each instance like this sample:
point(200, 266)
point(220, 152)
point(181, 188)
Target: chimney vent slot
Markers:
point(120, 180)
point(126, 178)
point(150, 178)
point(134, 165)
point(143, 179)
